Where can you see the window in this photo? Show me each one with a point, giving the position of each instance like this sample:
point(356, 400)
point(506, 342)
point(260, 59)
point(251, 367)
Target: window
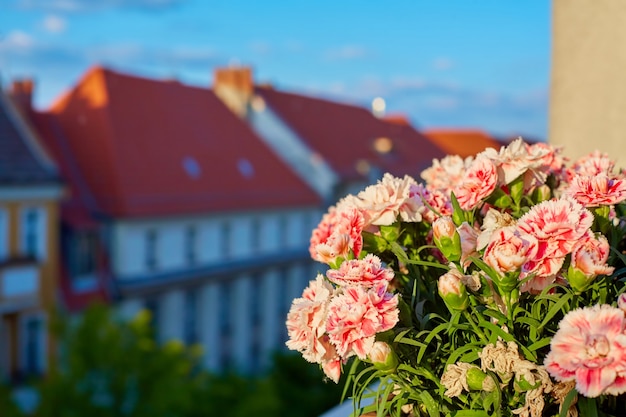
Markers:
point(33, 339)
point(191, 317)
point(283, 231)
point(151, 249)
point(153, 306)
point(33, 232)
point(191, 245)
point(225, 319)
point(83, 253)
point(4, 234)
point(225, 239)
point(255, 235)
point(284, 303)
point(256, 297)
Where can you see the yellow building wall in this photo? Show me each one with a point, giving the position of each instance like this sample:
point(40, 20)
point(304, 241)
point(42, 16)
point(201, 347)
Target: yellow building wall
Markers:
point(49, 270)
point(588, 77)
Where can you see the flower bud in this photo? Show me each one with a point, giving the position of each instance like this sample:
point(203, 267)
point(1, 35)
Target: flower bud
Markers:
point(542, 193)
point(589, 258)
point(383, 357)
point(447, 238)
point(477, 380)
point(453, 291)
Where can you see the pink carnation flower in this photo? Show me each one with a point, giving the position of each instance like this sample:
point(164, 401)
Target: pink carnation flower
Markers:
point(306, 320)
point(382, 203)
point(557, 225)
point(591, 254)
point(337, 235)
point(515, 160)
point(432, 199)
point(479, 182)
point(590, 348)
point(366, 272)
point(469, 239)
point(444, 173)
point(357, 315)
point(597, 190)
point(508, 250)
point(595, 163)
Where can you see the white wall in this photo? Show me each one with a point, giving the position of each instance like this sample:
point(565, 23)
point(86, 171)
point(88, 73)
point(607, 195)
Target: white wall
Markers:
point(279, 230)
point(129, 239)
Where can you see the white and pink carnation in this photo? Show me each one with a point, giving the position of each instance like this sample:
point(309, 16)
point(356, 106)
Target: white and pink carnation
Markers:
point(478, 183)
point(509, 249)
point(444, 173)
point(356, 315)
point(432, 199)
point(306, 320)
point(590, 348)
point(597, 190)
point(515, 160)
point(595, 163)
point(557, 225)
point(382, 203)
point(552, 161)
point(493, 220)
point(338, 234)
point(469, 239)
point(590, 255)
point(366, 272)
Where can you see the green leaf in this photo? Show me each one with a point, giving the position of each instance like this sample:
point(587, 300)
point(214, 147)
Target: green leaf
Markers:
point(567, 402)
point(374, 243)
point(539, 344)
point(399, 252)
point(471, 413)
point(587, 406)
point(564, 299)
point(431, 405)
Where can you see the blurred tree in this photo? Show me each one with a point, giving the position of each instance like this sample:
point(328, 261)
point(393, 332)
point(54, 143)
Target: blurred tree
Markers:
point(8, 406)
point(302, 386)
point(115, 368)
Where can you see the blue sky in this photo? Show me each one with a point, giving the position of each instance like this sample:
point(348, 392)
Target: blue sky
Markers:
point(444, 63)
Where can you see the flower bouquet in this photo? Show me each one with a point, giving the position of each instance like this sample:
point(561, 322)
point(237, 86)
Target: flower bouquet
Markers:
point(494, 287)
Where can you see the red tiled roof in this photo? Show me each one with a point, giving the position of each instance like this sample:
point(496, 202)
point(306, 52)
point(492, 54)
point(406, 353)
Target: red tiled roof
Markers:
point(462, 142)
point(139, 147)
point(345, 135)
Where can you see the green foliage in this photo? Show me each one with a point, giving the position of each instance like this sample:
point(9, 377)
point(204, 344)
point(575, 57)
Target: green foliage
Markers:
point(113, 368)
point(8, 407)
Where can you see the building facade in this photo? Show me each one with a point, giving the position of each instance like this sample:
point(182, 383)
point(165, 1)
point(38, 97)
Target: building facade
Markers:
point(176, 206)
point(30, 191)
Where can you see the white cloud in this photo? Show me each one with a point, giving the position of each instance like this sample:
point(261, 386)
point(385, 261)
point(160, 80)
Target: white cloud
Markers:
point(260, 47)
point(347, 52)
point(54, 24)
point(16, 40)
point(95, 5)
point(442, 64)
point(433, 103)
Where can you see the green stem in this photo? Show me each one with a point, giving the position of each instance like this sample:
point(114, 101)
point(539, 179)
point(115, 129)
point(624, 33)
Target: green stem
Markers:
point(479, 332)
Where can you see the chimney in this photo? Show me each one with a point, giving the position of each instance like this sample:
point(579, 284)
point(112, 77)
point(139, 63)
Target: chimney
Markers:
point(21, 93)
point(235, 87)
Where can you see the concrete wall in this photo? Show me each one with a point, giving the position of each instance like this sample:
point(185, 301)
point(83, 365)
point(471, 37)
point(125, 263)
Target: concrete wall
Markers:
point(588, 85)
